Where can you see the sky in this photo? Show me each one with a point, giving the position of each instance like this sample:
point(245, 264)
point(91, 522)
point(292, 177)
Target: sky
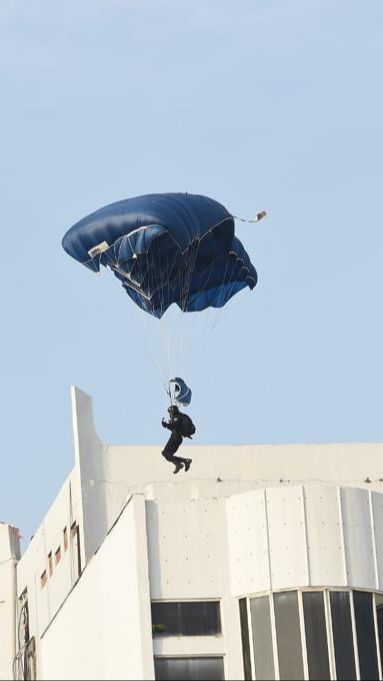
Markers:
point(269, 105)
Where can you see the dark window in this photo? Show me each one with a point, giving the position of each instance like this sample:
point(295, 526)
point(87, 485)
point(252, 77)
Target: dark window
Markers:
point(316, 635)
point(245, 638)
point(186, 619)
point(76, 552)
point(342, 633)
point(185, 668)
point(288, 635)
point(365, 633)
point(379, 617)
point(262, 641)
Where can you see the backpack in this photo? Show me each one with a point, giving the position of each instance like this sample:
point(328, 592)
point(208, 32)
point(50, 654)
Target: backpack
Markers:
point(187, 426)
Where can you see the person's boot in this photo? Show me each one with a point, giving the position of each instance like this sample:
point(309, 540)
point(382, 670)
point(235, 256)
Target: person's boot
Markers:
point(187, 464)
point(178, 467)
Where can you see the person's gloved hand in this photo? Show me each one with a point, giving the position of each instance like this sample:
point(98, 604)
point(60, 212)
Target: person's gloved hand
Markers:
point(163, 423)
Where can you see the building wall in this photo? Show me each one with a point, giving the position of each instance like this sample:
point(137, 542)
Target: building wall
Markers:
point(9, 554)
point(103, 630)
point(305, 536)
point(188, 560)
point(207, 549)
point(271, 539)
point(90, 469)
point(48, 569)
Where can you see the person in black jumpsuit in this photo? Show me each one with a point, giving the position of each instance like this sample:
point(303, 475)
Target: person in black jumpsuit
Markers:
point(175, 426)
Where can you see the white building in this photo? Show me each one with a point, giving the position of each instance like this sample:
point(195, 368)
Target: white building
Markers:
point(261, 562)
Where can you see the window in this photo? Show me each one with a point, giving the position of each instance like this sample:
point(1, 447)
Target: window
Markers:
point(342, 633)
point(76, 551)
point(316, 635)
point(262, 641)
point(65, 538)
point(333, 625)
point(185, 668)
point(245, 638)
point(365, 633)
point(58, 555)
point(379, 617)
point(30, 660)
point(288, 635)
point(50, 563)
point(43, 579)
point(193, 618)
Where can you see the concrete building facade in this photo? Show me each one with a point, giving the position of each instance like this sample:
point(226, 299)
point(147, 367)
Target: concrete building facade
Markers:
point(262, 562)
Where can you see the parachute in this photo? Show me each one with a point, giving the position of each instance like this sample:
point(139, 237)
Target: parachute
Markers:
point(179, 393)
point(164, 249)
point(170, 250)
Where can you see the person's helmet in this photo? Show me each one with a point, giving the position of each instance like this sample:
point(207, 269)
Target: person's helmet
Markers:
point(173, 409)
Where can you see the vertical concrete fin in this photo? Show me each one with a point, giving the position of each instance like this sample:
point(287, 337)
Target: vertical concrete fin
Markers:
point(82, 420)
point(90, 468)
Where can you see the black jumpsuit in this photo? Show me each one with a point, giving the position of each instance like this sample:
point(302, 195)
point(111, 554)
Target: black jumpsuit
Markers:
point(174, 441)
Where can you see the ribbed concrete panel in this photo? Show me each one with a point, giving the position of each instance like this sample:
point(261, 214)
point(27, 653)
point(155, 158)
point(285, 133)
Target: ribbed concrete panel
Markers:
point(324, 536)
point(358, 542)
point(248, 543)
point(377, 515)
point(287, 537)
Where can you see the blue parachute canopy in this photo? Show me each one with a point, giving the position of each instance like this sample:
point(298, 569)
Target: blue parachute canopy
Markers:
point(179, 392)
point(165, 248)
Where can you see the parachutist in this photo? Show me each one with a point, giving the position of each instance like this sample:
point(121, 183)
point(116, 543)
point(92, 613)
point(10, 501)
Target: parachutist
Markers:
point(180, 426)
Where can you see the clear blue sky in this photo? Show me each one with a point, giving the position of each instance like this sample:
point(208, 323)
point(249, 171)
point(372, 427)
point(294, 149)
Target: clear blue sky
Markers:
point(260, 104)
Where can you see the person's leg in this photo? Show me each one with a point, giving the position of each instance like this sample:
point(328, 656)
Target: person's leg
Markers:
point(170, 448)
point(179, 460)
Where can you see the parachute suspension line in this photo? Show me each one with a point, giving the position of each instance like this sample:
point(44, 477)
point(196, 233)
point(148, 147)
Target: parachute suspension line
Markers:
point(225, 287)
point(182, 349)
point(232, 303)
point(206, 318)
point(163, 323)
point(139, 320)
point(210, 311)
point(175, 313)
point(231, 281)
point(218, 311)
point(166, 321)
point(162, 328)
point(141, 323)
point(187, 318)
point(185, 288)
point(207, 312)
